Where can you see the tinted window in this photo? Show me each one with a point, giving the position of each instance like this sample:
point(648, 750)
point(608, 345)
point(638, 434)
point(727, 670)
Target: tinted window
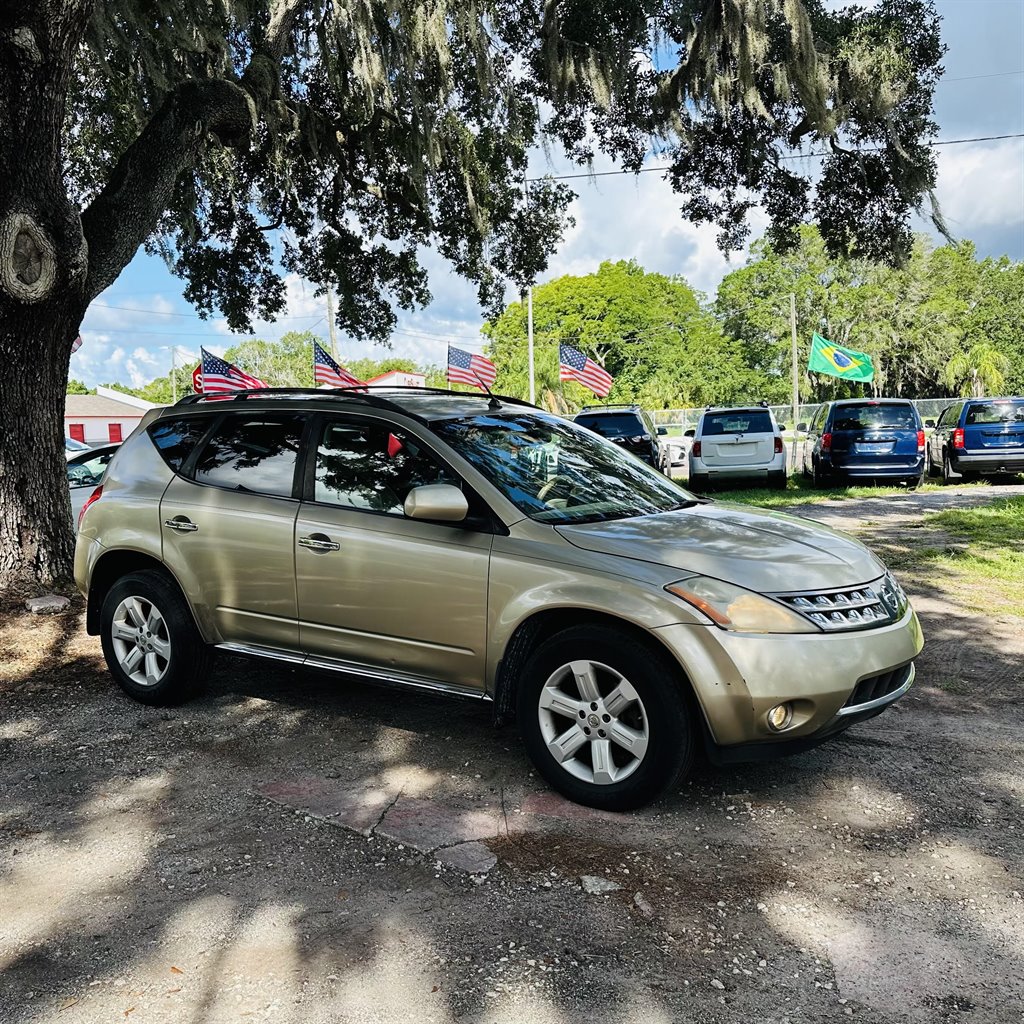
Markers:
point(995, 412)
point(176, 438)
point(625, 424)
point(369, 466)
point(252, 453)
point(557, 472)
point(874, 416)
point(752, 421)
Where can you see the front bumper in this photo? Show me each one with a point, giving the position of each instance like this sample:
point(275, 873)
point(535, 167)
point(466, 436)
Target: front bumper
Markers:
point(738, 678)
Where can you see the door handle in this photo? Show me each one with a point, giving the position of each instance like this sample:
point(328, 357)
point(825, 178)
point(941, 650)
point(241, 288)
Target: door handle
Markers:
point(182, 524)
point(319, 542)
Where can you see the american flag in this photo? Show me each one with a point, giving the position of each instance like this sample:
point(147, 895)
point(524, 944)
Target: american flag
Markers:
point(467, 368)
point(327, 371)
point(220, 377)
point(76, 344)
point(574, 365)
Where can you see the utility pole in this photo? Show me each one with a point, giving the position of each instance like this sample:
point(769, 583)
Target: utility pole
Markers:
point(529, 341)
point(796, 374)
point(174, 380)
point(330, 324)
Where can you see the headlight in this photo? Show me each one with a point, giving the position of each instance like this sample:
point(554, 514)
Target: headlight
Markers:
point(732, 607)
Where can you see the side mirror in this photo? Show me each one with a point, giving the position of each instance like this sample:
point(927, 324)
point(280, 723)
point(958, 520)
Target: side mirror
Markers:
point(662, 431)
point(929, 423)
point(441, 502)
point(782, 426)
point(689, 433)
point(802, 427)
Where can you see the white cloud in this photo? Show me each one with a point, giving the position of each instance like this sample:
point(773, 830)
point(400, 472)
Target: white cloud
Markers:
point(982, 185)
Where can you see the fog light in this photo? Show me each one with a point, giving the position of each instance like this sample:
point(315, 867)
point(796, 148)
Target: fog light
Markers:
point(780, 716)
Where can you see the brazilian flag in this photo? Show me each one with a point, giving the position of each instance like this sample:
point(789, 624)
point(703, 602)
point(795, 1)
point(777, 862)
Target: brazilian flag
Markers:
point(838, 361)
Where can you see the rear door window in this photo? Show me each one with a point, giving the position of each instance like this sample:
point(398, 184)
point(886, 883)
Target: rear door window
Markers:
point(176, 438)
point(753, 421)
point(875, 417)
point(257, 453)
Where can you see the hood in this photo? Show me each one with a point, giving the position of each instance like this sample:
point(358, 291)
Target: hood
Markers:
point(768, 552)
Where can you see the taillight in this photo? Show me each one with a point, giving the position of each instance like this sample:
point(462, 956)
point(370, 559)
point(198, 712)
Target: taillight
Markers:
point(92, 497)
point(826, 442)
point(778, 446)
point(920, 440)
point(696, 449)
point(958, 437)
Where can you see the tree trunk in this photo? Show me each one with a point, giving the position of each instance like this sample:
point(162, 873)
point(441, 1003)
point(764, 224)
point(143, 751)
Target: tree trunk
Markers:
point(36, 539)
point(43, 266)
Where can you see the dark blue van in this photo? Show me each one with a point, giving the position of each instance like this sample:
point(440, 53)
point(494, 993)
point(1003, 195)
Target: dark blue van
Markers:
point(864, 439)
point(977, 437)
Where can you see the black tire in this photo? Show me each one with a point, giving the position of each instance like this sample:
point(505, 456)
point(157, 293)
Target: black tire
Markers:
point(185, 666)
point(949, 475)
point(777, 481)
point(932, 469)
point(817, 477)
point(665, 708)
point(700, 483)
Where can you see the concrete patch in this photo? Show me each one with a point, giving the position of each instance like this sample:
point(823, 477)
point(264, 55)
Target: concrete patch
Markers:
point(473, 857)
point(358, 807)
point(427, 824)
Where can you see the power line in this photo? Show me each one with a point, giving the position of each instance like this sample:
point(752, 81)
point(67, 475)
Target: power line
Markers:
point(195, 316)
point(972, 78)
point(793, 156)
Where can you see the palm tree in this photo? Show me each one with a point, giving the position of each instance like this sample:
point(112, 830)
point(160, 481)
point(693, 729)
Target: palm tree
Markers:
point(981, 368)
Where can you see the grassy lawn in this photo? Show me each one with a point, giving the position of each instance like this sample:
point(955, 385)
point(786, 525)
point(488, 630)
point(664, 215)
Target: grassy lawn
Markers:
point(799, 491)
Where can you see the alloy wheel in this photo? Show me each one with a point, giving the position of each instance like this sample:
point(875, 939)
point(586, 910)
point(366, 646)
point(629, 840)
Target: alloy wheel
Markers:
point(593, 722)
point(142, 644)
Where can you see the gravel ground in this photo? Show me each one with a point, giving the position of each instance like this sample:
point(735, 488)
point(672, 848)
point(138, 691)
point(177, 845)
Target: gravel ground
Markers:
point(144, 876)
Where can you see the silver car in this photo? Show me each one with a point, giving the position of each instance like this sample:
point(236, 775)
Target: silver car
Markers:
point(479, 547)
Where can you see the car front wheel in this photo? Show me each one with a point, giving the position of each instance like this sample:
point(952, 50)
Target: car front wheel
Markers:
point(605, 718)
point(150, 642)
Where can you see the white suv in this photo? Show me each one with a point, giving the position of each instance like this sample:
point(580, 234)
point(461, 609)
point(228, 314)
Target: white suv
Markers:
point(733, 444)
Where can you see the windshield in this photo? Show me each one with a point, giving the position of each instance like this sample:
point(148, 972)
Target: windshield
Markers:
point(744, 421)
point(995, 412)
point(71, 445)
point(613, 425)
point(871, 417)
point(559, 473)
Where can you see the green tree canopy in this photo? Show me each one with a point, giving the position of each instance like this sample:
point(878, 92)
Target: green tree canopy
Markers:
point(76, 387)
point(647, 330)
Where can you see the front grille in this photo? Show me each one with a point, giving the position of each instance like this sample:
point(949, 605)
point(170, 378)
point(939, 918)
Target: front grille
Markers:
point(873, 604)
point(878, 686)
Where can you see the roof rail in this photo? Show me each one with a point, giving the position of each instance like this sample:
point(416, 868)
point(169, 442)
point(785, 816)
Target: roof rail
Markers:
point(610, 405)
point(359, 394)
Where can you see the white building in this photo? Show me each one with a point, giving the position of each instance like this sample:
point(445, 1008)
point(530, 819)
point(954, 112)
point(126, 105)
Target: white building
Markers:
point(106, 417)
point(398, 379)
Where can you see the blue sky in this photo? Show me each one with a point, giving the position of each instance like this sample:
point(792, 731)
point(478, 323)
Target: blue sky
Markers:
point(130, 329)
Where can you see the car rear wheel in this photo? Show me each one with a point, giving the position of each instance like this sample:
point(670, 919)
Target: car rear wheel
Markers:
point(777, 480)
point(817, 477)
point(605, 718)
point(699, 482)
point(150, 643)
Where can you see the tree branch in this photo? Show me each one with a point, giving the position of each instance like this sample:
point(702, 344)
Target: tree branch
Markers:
point(128, 209)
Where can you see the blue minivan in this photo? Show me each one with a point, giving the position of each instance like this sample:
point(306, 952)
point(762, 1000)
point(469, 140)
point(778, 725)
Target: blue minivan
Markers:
point(864, 439)
point(977, 437)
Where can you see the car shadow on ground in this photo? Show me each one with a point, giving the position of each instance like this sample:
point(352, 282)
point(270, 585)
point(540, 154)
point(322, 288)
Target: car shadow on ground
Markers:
point(141, 872)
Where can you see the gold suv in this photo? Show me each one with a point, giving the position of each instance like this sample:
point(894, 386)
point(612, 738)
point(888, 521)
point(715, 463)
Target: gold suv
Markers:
point(479, 547)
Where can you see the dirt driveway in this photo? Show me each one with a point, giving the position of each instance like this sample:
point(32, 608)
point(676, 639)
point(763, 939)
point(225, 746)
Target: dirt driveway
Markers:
point(258, 854)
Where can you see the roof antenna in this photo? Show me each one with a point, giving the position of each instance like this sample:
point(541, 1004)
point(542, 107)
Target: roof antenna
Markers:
point(492, 402)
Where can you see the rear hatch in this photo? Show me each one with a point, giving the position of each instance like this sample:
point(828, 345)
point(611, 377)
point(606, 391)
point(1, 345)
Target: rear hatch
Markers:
point(625, 429)
point(882, 435)
point(994, 427)
point(737, 437)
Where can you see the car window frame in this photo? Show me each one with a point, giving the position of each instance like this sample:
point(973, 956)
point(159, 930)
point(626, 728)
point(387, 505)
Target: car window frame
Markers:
point(74, 461)
point(189, 465)
point(484, 520)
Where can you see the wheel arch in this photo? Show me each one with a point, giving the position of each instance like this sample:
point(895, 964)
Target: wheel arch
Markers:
point(112, 566)
point(541, 626)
